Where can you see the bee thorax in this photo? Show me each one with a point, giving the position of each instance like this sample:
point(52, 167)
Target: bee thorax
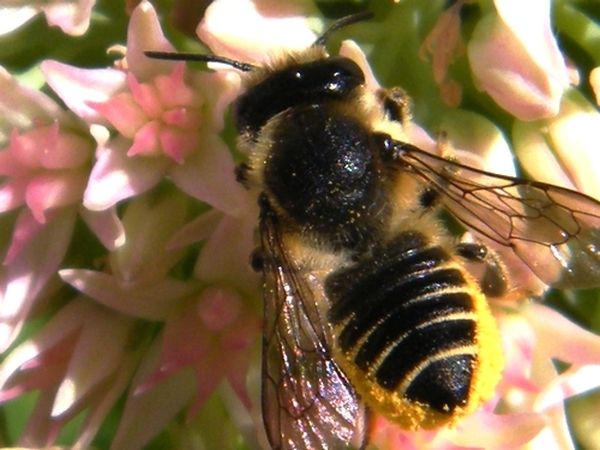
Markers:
point(322, 172)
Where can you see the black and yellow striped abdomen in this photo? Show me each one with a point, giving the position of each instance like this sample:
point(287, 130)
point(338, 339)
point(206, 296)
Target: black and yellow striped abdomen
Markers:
point(414, 333)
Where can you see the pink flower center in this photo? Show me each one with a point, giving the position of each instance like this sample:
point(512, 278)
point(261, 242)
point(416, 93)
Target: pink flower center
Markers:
point(161, 116)
point(219, 308)
point(45, 168)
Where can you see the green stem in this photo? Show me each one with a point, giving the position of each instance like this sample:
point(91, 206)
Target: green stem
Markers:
point(578, 27)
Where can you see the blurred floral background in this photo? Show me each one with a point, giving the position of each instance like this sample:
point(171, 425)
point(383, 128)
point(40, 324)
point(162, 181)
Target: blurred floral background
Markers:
point(129, 315)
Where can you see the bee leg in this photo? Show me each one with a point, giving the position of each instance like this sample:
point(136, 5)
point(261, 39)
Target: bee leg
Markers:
point(494, 280)
point(396, 104)
point(241, 174)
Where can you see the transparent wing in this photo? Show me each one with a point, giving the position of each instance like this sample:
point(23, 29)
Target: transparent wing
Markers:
point(555, 231)
point(307, 401)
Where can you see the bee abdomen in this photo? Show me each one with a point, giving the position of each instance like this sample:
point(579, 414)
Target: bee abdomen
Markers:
point(405, 319)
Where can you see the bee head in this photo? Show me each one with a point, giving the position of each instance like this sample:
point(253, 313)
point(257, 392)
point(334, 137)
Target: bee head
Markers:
point(301, 78)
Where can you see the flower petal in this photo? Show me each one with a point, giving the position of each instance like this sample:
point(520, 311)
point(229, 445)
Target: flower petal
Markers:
point(106, 226)
point(224, 257)
point(143, 34)
point(504, 67)
point(240, 30)
point(102, 332)
point(536, 155)
point(481, 139)
point(65, 322)
point(498, 432)
point(148, 302)
point(578, 345)
point(12, 194)
point(72, 18)
point(165, 400)
point(208, 175)
point(116, 177)
point(219, 90)
point(146, 96)
point(33, 106)
point(574, 134)
point(15, 16)
point(185, 340)
point(146, 140)
point(172, 88)
point(178, 144)
point(97, 415)
point(53, 190)
point(197, 230)
point(123, 113)
point(536, 36)
point(556, 434)
point(28, 272)
point(574, 381)
point(78, 87)
point(26, 228)
point(149, 223)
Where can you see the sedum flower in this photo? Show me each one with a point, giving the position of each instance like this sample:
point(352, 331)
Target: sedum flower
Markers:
point(517, 60)
point(167, 120)
point(159, 117)
point(56, 362)
point(207, 324)
point(514, 59)
point(44, 163)
point(45, 169)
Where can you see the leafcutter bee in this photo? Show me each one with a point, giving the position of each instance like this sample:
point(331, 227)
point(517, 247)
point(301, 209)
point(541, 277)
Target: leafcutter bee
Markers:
point(369, 305)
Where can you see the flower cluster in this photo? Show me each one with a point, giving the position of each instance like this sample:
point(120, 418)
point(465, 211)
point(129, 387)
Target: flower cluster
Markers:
point(127, 303)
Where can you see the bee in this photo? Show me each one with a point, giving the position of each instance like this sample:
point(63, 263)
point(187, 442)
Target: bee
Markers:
point(368, 301)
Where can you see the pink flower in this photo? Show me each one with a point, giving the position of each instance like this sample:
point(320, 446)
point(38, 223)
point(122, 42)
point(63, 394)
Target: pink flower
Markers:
point(166, 118)
point(160, 117)
point(517, 61)
point(208, 324)
point(212, 333)
point(56, 361)
point(71, 16)
point(44, 165)
point(46, 169)
point(513, 58)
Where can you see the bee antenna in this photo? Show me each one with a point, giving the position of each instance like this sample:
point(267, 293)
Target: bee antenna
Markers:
point(341, 23)
point(174, 56)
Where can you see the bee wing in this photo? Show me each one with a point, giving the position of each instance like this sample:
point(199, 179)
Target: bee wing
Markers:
point(307, 400)
point(555, 231)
